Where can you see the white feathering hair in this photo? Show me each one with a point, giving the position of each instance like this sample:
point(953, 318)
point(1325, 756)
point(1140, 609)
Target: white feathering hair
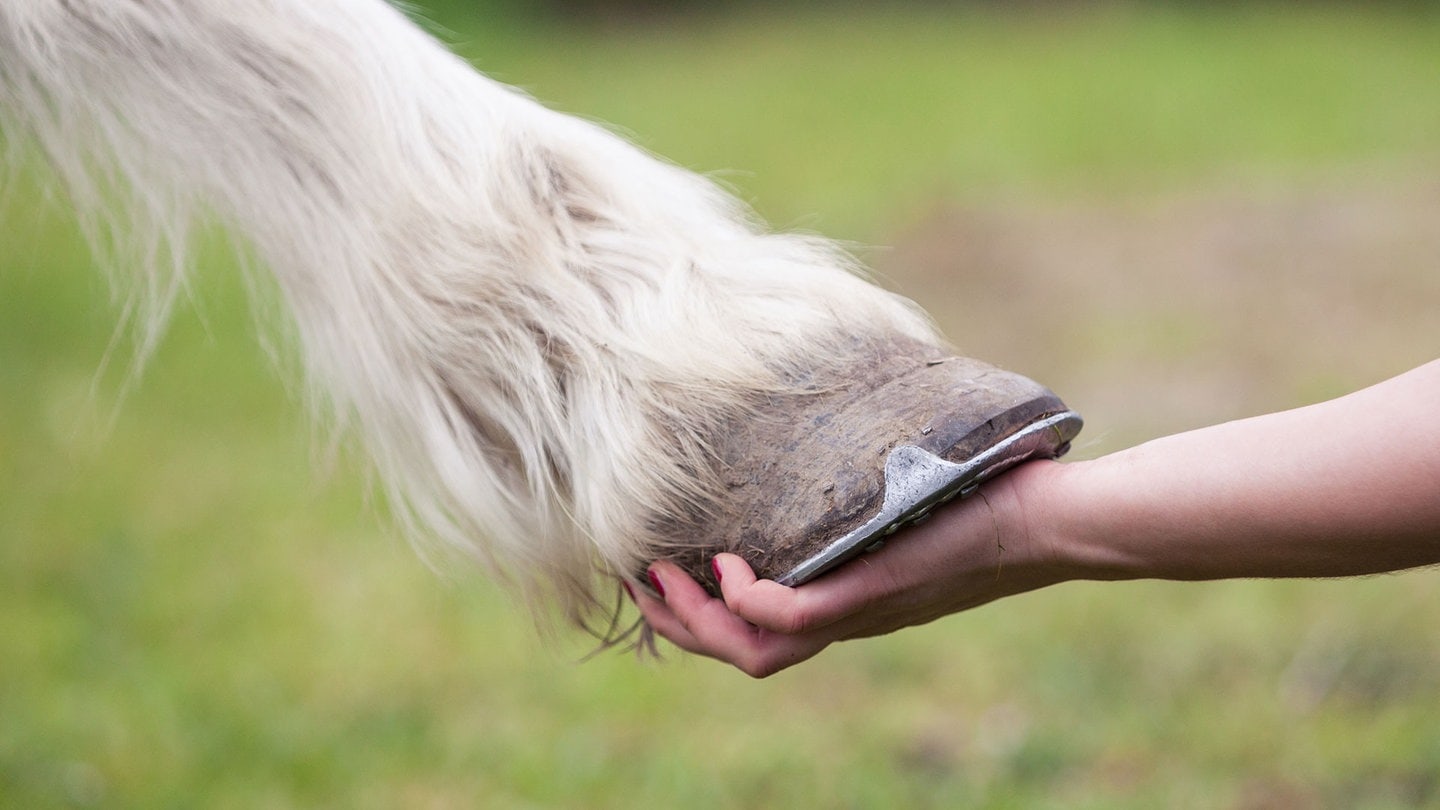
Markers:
point(535, 327)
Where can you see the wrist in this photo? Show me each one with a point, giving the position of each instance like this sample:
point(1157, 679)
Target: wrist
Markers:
point(1071, 523)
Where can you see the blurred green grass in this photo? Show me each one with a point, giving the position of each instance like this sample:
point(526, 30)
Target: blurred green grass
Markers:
point(191, 615)
point(851, 116)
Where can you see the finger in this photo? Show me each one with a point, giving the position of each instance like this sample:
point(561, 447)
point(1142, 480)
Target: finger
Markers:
point(719, 633)
point(822, 605)
point(762, 602)
point(663, 620)
point(702, 616)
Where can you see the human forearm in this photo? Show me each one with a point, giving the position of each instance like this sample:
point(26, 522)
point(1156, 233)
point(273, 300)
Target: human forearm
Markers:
point(1344, 487)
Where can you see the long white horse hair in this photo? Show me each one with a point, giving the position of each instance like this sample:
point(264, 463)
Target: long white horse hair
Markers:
point(536, 329)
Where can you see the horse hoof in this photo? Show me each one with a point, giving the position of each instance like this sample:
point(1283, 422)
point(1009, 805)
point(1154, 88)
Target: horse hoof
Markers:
point(816, 479)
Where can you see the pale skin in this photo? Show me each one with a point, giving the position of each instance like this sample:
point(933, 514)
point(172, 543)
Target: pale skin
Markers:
point(1341, 488)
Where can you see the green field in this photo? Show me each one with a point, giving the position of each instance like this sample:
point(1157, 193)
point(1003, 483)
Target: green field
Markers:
point(1170, 217)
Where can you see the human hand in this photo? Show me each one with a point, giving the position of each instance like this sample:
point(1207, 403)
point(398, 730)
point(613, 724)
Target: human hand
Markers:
point(967, 554)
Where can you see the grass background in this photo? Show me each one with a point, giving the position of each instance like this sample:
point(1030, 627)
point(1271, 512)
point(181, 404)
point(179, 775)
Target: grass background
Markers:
point(193, 612)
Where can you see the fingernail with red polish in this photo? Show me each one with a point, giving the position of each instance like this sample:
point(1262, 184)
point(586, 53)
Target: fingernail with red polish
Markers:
point(655, 583)
point(715, 566)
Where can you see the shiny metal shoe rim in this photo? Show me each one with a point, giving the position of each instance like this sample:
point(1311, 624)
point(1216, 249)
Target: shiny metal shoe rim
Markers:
point(917, 480)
